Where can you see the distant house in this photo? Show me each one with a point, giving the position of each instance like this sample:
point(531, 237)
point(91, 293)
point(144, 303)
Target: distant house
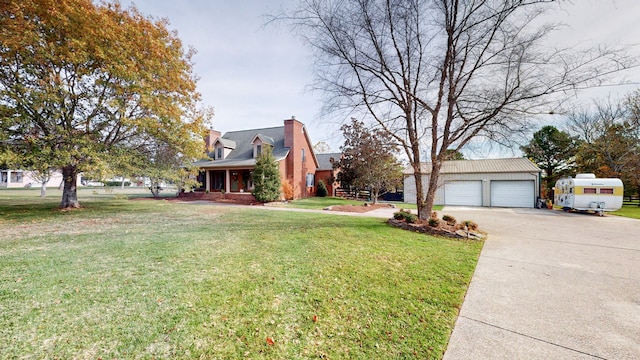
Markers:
point(328, 171)
point(25, 179)
point(232, 158)
point(513, 182)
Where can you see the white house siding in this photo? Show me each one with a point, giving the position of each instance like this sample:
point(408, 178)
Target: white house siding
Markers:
point(24, 179)
point(486, 178)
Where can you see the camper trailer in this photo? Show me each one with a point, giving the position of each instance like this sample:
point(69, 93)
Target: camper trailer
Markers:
point(585, 192)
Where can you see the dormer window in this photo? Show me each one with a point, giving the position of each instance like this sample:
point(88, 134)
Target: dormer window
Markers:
point(258, 142)
point(223, 148)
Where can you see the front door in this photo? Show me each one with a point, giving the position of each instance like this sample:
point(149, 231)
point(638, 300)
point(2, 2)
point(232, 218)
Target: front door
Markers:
point(217, 180)
point(241, 181)
point(236, 181)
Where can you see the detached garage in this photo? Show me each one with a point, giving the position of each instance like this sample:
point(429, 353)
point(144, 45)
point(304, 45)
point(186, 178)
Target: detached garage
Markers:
point(513, 182)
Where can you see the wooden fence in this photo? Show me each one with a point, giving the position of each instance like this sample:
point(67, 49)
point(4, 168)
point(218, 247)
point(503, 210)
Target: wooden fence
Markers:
point(352, 194)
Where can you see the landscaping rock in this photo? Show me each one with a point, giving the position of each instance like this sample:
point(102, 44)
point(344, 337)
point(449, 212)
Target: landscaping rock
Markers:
point(469, 235)
point(437, 231)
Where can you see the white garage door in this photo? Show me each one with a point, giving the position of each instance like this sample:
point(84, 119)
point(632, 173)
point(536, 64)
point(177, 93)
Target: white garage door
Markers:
point(467, 193)
point(512, 193)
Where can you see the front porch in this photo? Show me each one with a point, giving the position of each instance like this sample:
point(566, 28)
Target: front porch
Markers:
point(11, 178)
point(226, 181)
point(225, 186)
point(234, 198)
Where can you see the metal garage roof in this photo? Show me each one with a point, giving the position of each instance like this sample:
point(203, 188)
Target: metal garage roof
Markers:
point(509, 165)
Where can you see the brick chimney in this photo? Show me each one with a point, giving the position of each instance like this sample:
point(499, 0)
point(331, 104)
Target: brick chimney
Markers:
point(210, 139)
point(293, 130)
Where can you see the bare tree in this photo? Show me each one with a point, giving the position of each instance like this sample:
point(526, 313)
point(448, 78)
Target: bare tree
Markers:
point(590, 123)
point(43, 177)
point(633, 104)
point(321, 148)
point(438, 73)
point(610, 134)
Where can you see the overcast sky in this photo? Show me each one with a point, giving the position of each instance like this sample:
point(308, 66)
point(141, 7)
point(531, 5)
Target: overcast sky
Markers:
point(256, 77)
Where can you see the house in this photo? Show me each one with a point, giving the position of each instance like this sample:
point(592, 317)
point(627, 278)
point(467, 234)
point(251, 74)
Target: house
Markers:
point(232, 158)
point(512, 182)
point(26, 179)
point(327, 172)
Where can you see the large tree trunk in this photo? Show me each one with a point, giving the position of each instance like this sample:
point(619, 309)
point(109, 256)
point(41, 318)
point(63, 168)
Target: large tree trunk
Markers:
point(375, 192)
point(69, 192)
point(426, 207)
point(417, 176)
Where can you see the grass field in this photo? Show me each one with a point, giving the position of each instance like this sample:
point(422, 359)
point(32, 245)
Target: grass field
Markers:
point(629, 209)
point(318, 203)
point(158, 279)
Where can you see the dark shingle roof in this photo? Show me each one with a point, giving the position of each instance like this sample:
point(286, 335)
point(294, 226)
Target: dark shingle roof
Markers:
point(228, 143)
point(265, 139)
point(324, 160)
point(242, 154)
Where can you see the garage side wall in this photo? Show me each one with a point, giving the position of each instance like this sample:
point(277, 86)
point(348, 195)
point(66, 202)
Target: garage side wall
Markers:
point(486, 178)
point(410, 189)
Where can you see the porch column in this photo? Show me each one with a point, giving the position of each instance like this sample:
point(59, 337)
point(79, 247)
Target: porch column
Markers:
point(227, 181)
point(207, 180)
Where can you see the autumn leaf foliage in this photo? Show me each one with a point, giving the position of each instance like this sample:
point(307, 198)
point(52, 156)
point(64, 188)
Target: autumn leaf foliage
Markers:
point(100, 87)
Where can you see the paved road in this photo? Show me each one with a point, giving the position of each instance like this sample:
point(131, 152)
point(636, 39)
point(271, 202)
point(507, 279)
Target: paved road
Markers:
point(551, 285)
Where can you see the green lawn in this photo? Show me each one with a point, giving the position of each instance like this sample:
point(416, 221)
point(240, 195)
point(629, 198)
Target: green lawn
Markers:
point(157, 279)
point(319, 203)
point(630, 210)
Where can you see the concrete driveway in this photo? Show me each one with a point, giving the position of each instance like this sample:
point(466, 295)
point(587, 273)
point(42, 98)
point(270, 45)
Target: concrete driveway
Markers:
point(551, 285)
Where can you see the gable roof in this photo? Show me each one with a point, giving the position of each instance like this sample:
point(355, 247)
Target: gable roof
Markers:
point(509, 165)
point(228, 143)
point(264, 138)
point(242, 154)
point(324, 160)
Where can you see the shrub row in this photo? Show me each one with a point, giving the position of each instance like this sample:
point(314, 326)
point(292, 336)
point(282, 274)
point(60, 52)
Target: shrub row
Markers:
point(450, 220)
point(406, 215)
point(117, 183)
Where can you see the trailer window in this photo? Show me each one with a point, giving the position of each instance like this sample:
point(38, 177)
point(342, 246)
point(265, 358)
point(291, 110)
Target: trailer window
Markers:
point(589, 190)
point(608, 191)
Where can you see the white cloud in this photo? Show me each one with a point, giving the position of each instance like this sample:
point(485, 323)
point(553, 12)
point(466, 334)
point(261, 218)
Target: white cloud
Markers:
point(255, 76)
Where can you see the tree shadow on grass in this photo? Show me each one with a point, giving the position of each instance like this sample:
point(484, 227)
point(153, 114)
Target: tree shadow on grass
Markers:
point(49, 210)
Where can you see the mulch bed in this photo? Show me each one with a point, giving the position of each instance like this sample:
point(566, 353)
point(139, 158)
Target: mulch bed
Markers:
point(442, 230)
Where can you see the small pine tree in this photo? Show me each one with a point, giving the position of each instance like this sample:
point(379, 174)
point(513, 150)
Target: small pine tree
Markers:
point(266, 177)
point(322, 189)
